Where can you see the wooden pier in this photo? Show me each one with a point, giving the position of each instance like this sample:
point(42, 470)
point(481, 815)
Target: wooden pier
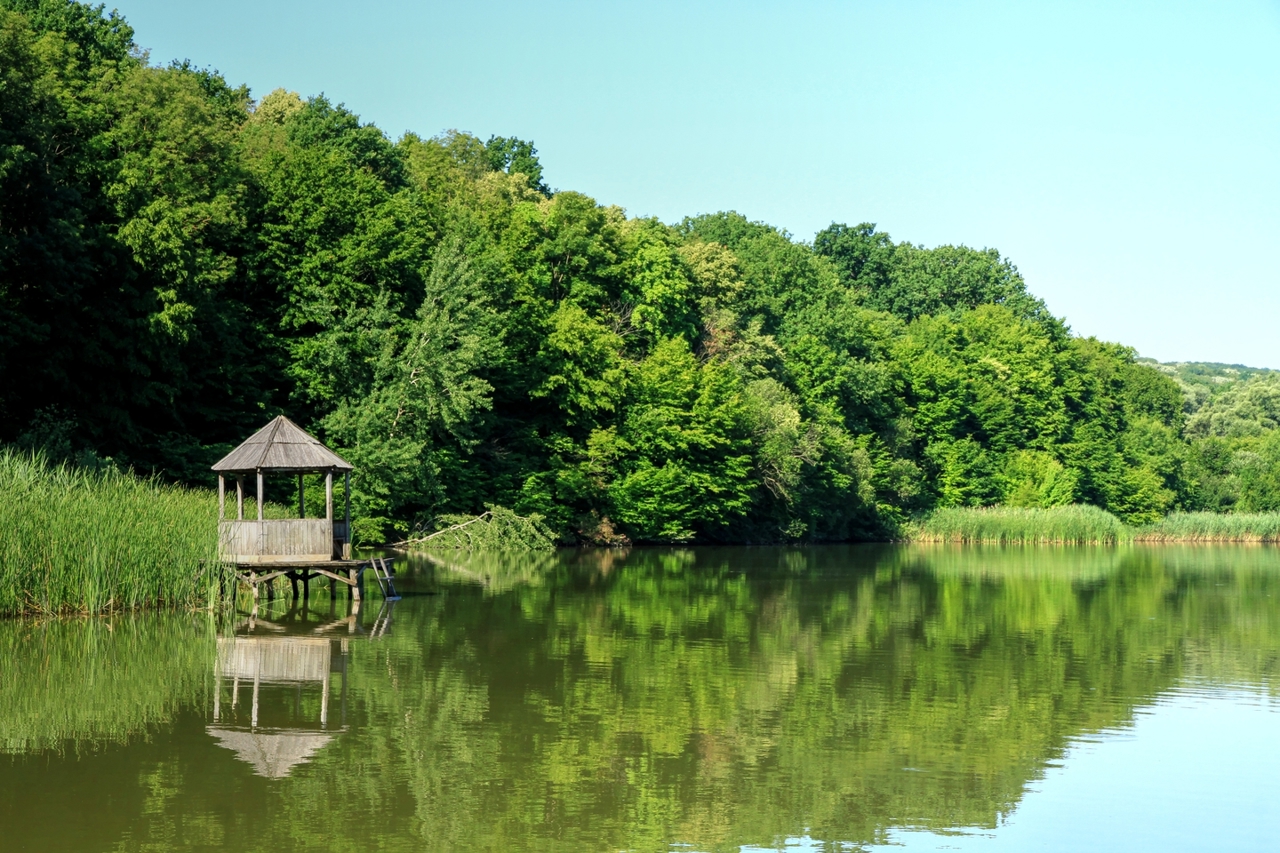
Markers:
point(302, 572)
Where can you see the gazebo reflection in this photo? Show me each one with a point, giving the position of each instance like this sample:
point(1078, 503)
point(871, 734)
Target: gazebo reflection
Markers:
point(283, 663)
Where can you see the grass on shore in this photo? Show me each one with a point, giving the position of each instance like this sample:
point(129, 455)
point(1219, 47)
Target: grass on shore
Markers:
point(1066, 525)
point(81, 541)
point(1088, 525)
point(1213, 527)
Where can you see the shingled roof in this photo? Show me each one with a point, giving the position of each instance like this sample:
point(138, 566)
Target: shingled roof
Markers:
point(281, 445)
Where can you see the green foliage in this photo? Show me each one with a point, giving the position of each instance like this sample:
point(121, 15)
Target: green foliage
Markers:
point(1201, 380)
point(1235, 443)
point(1033, 478)
point(79, 540)
point(682, 452)
point(911, 281)
point(1243, 409)
point(515, 156)
point(411, 416)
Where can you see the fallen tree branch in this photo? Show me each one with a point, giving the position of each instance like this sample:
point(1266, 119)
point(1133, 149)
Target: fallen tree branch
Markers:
point(419, 540)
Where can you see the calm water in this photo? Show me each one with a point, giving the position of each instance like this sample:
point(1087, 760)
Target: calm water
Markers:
point(694, 700)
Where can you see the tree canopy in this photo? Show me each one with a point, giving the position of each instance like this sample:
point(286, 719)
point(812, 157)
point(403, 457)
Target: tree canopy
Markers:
point(179, 262)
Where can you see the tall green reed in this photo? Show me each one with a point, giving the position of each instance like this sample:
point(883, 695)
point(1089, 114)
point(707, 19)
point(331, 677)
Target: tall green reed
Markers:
point(77, 540)
point(1213, 527)
point(1064, 525)
point(1084, 525)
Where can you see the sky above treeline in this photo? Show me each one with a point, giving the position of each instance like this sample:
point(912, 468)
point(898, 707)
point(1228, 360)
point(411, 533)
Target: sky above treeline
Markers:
point(1124, 156)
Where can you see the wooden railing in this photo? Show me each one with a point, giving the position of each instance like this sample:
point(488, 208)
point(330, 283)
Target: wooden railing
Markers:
point(281, 540)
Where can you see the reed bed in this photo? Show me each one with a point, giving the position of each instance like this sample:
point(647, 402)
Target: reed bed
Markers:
point(1213, 527)
point(81, 541)
point(1065, 525)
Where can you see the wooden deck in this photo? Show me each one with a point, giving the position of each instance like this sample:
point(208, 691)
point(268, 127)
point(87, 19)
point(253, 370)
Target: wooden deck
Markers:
point(348, 572)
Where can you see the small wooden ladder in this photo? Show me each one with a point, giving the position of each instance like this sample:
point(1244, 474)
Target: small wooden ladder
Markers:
point(384, 571)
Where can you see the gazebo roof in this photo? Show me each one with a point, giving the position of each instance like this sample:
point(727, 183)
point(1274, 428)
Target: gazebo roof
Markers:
point(281, 445)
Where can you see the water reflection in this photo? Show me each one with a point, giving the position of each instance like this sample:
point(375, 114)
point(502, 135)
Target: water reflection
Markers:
point(716, 698)
point(494, 573)
point(289, 662)
point(283, 661)
point(85, 684)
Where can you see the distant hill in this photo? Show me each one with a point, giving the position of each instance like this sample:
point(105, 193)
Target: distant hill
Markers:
point(1200, 380)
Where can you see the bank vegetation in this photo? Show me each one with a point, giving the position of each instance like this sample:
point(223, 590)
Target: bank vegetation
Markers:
point(1088, 525)
point(78, 540)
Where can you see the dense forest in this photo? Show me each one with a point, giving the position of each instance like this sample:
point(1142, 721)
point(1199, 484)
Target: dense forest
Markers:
point(179, 262)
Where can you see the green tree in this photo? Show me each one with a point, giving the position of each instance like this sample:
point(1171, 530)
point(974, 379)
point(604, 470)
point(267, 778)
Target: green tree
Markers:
point(910, 281)
point(1033, 478)
point(410, 428)
point(683, 450)
point(515, 156)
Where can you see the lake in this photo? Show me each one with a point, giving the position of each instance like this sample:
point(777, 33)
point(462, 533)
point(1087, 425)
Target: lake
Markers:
point(835, 698)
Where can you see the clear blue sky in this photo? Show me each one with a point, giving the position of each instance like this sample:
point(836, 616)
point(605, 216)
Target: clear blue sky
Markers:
point(1123, 155)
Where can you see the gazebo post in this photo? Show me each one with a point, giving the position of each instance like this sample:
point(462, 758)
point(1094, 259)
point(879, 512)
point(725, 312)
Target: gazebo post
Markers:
point(239, 498)
point(328, 495)
point(302, 502)
point(260, 490)
point(222, 498)
point(346, 523)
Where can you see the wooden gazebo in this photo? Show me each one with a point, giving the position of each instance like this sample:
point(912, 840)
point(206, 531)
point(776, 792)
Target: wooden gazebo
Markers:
point(301, 548)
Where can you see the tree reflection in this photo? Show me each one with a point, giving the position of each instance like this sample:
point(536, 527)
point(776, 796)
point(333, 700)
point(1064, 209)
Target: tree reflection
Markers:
point(727, 697)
